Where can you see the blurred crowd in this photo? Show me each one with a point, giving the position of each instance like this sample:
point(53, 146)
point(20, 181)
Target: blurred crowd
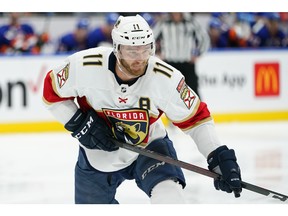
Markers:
point(17, 37)
point(225, 30)
point(248, 30)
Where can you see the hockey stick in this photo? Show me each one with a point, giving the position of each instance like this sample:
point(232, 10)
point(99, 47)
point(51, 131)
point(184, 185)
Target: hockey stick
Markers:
point(199, 170)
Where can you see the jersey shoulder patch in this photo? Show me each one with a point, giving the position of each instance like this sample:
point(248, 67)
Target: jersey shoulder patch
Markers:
point(63, 75)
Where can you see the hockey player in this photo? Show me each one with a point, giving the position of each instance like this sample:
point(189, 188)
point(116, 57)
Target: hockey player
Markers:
point(103, 93)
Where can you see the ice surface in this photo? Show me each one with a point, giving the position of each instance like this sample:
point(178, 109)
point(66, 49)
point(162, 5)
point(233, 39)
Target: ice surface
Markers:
point(39, 168)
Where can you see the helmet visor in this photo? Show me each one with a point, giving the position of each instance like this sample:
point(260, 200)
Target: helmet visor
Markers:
point(136, 52)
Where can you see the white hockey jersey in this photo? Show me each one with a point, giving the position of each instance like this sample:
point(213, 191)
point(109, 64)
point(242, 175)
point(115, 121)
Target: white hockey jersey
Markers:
point(87, 79)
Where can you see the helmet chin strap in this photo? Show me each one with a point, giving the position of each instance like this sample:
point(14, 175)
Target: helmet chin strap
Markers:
point(122, 70)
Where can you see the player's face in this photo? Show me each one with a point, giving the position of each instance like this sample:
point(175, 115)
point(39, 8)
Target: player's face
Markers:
point(134, 58)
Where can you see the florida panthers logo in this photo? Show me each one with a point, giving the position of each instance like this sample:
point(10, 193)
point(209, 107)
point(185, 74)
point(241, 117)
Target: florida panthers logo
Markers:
point(63, 75)
point(130, 132)
point(130, 126)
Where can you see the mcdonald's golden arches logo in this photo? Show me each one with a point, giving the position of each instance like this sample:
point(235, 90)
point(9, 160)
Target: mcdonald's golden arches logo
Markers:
point(266, 76)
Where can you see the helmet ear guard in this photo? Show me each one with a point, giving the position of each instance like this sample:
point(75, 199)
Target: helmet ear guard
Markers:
point(132, 31)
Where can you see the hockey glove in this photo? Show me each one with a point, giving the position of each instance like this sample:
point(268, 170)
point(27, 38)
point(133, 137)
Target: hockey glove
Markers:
point(223, 161)
point(91, 131)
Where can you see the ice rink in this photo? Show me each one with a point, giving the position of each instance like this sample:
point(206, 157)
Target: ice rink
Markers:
point(39, 168)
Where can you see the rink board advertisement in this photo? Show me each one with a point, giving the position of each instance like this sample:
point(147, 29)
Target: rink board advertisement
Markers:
point(246, 85)
point(21, 87)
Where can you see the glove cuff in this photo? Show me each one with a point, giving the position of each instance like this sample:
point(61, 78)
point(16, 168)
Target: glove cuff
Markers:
point(76, 120)
point(229, 155)
point(213, 157)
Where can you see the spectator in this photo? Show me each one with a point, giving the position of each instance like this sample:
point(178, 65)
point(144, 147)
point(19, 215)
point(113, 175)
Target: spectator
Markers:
point(269, 33)
point(218, 34)
point(180, 41)
point(240, 32)
point(76, 40)
point(102, 34)
point(17, 37)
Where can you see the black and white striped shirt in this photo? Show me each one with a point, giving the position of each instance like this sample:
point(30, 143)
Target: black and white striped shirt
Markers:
point(180, 41)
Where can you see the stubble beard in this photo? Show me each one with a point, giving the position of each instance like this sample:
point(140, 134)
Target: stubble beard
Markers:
point(133, 72)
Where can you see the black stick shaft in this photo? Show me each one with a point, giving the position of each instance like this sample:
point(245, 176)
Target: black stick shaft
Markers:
point(199, 170)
